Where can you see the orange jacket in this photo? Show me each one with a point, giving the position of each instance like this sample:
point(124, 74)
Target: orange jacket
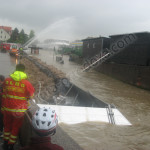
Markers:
point(16, 92)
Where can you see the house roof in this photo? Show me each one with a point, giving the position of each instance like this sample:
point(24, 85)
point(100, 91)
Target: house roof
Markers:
point(7, 29)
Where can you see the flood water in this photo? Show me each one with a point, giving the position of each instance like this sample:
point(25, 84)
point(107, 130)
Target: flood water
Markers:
point(134, 103)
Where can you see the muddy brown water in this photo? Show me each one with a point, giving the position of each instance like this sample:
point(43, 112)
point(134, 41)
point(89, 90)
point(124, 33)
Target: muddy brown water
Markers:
point(134, 103)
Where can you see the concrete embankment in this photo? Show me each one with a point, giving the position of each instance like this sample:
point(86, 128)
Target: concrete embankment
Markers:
point(48, 77)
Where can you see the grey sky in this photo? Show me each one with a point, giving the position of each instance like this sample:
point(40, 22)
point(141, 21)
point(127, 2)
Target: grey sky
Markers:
point(76, 19)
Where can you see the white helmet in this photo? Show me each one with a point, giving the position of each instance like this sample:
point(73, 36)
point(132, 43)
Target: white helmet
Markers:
point(44, 121)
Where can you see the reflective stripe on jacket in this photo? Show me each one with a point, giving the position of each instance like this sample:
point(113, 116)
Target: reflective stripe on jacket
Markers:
point(15, 97)
point(13, 110)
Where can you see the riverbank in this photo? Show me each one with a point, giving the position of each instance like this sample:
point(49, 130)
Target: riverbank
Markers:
point(43, 84)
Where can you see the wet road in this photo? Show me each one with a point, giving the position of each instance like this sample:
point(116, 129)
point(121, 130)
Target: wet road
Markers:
point(133, 102)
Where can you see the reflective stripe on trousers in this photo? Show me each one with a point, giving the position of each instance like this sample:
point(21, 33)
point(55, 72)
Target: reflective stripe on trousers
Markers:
point(6, 136)
point(12, 139)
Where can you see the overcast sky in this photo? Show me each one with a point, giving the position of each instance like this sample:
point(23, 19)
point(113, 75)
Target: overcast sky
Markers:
point(76, 19)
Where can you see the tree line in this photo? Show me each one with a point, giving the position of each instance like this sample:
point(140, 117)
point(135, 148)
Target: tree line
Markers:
point(20, 37)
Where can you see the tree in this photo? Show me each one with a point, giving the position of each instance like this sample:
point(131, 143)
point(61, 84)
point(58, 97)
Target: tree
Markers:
point(32, 34)
point(14, 36)
point(26, 38)
point(22, 37)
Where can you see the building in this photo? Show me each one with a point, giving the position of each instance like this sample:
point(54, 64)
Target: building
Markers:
point(94, 46)
point(131, 64)
point(132, 53)
point(134, 48)
point(5, 33)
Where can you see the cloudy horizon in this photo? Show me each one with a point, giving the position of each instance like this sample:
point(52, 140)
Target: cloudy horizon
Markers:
point(74, 19)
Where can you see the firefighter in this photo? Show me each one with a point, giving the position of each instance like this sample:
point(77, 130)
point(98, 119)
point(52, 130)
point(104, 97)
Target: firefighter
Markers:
point(21, 50)
point(17, 90)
